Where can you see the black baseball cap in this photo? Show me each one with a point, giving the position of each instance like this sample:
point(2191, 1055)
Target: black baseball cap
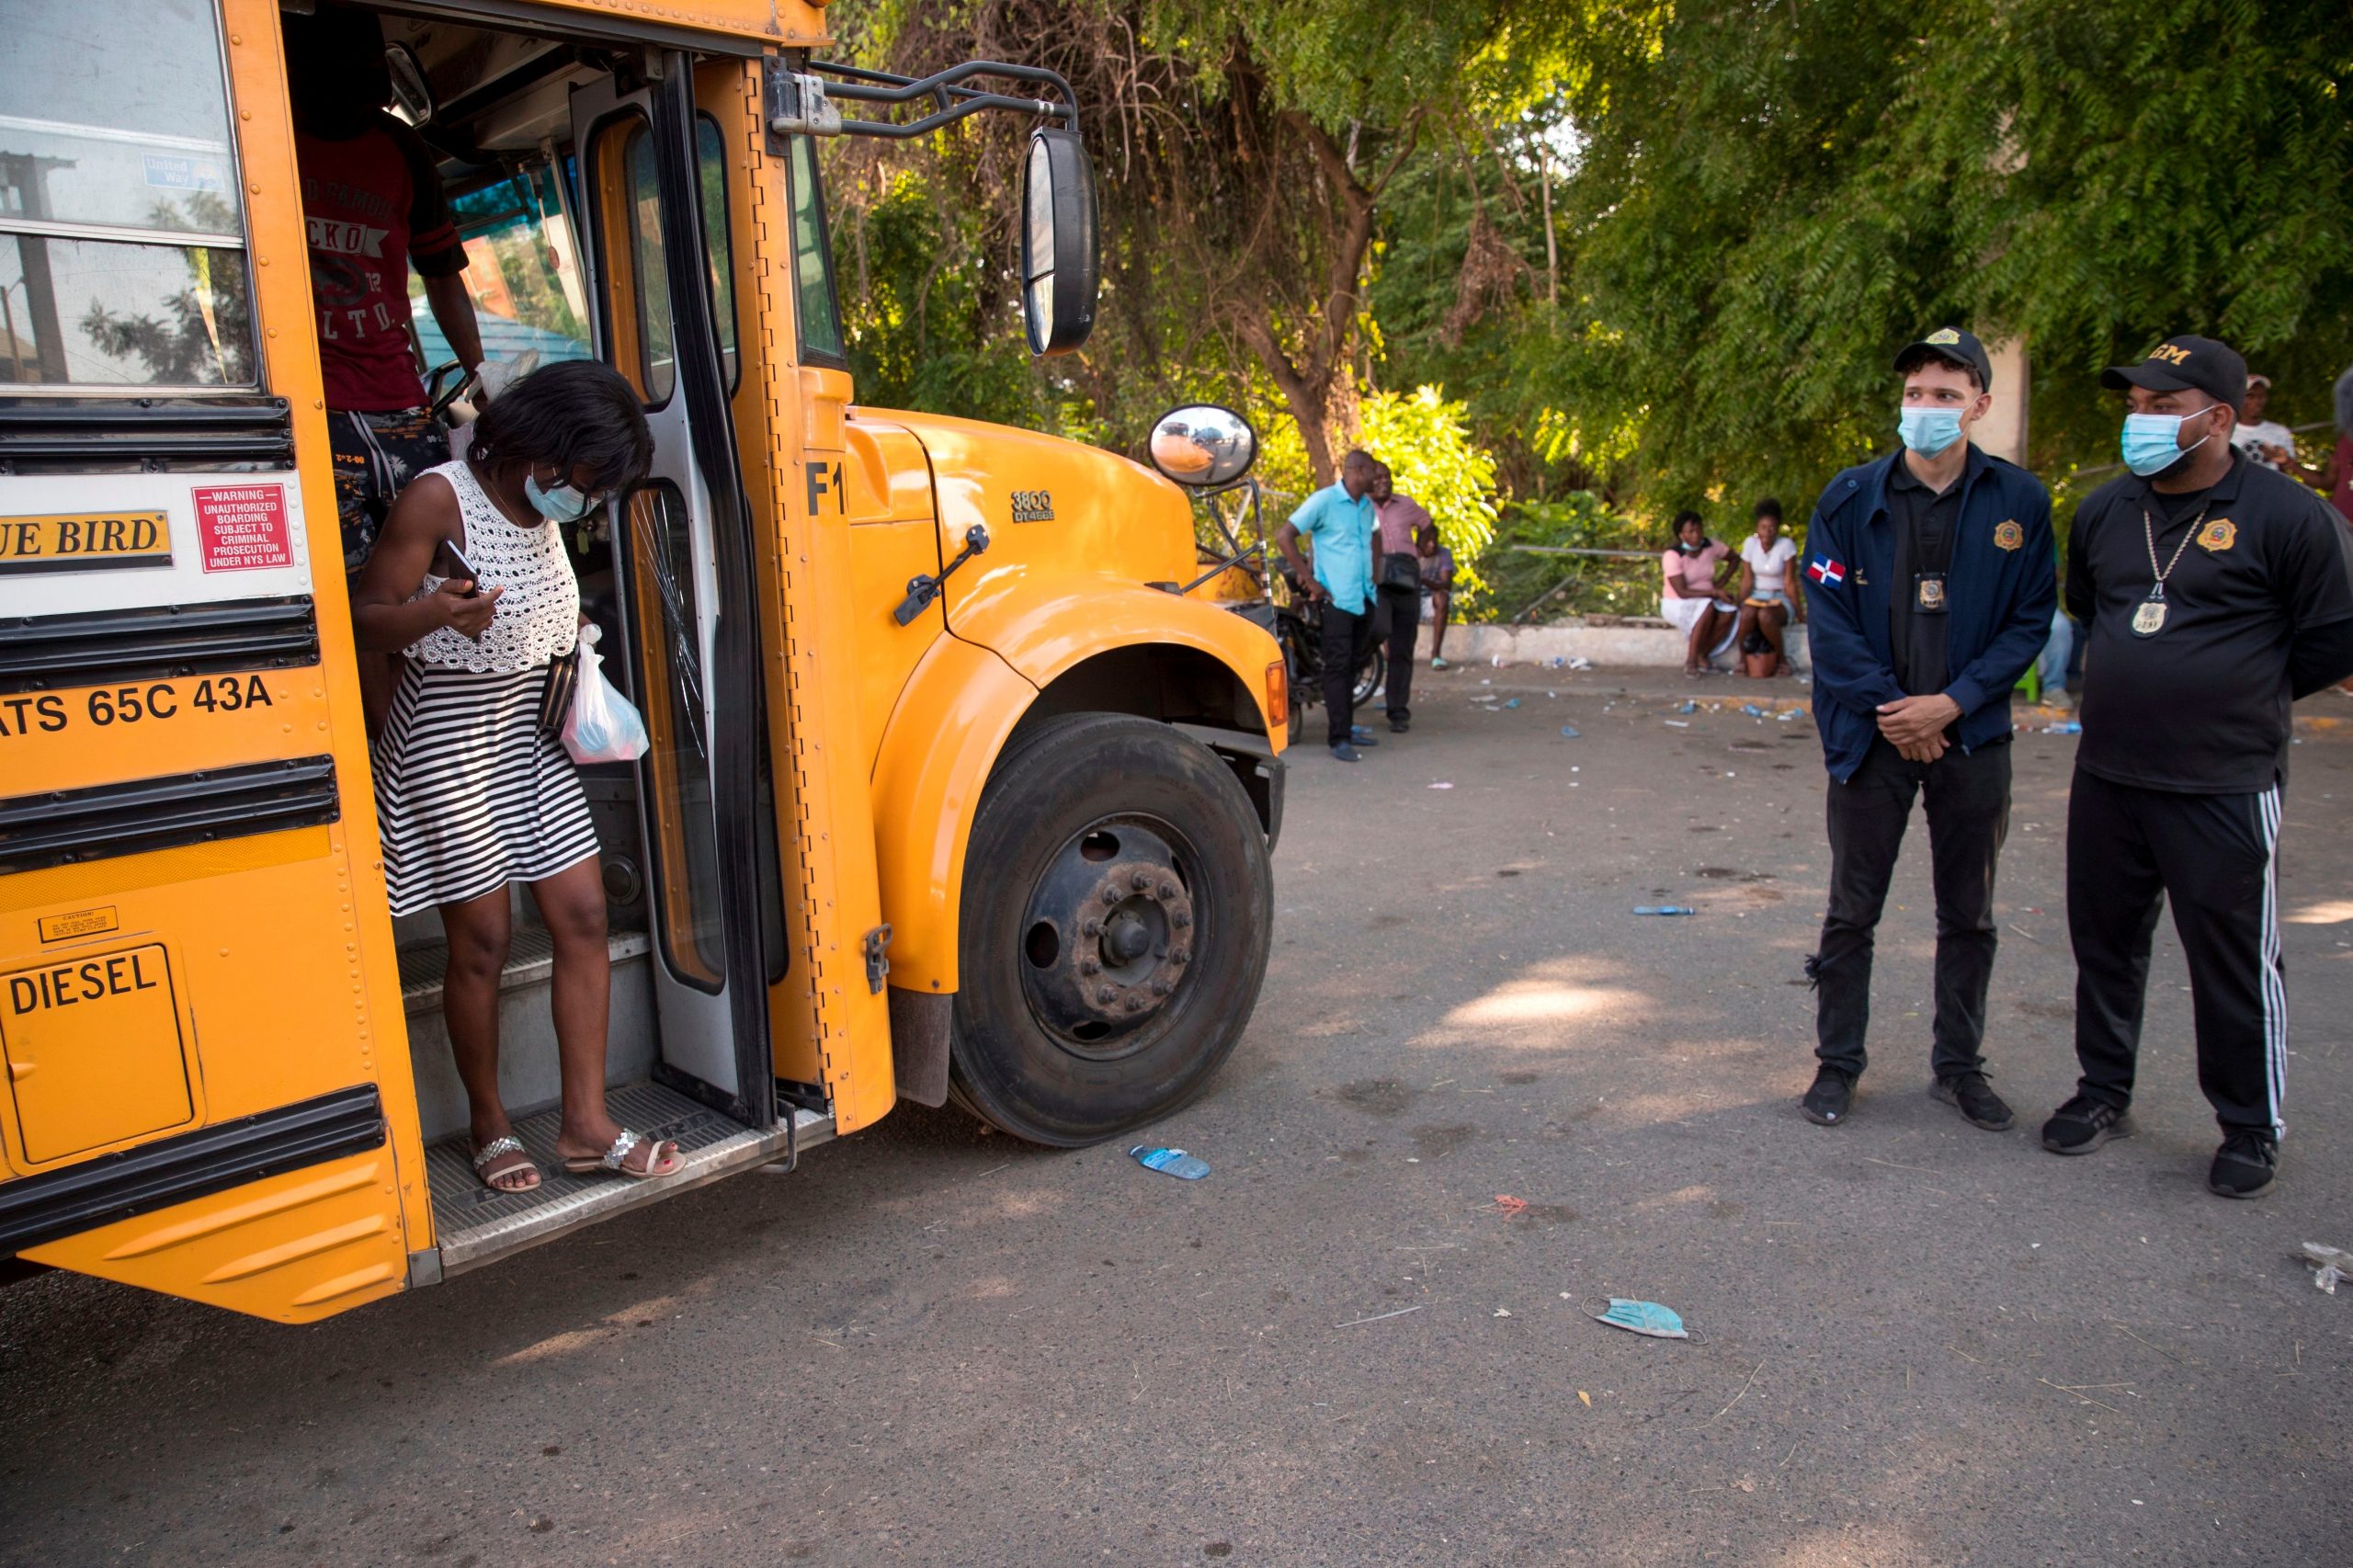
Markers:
point(1949, 343)
point(2179, 364)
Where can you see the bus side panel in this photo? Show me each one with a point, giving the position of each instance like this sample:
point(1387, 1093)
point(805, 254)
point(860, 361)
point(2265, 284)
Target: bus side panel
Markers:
point(206, 1046)
point(826, 1017)
point(295, 1247)
point(289, 317)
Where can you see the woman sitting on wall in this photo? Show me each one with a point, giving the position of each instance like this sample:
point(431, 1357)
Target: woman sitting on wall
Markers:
point(1695, 600)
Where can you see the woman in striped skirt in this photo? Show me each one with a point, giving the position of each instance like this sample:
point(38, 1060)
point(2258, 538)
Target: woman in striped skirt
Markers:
point(470, 581)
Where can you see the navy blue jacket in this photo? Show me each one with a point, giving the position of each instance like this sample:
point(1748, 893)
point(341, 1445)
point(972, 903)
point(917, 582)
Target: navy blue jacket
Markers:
point(2004, 588)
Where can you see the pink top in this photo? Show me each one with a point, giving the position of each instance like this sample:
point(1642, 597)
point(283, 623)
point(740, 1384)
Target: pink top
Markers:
point(1694, 575)
point(1401, 518)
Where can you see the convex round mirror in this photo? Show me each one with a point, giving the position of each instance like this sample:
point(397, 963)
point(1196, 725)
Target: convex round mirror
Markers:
point(1058, 259)
point(1203, 445)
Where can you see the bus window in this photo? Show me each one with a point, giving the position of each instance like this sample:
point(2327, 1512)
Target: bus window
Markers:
point(820, 321)
point(523, 273)
point(711, 169)
point(649, 269)
point(123, 257)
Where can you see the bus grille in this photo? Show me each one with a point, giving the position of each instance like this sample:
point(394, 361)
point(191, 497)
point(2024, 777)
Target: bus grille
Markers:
point(66, 826)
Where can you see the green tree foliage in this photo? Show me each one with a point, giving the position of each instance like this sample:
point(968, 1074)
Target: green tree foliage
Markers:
point(1772, 199)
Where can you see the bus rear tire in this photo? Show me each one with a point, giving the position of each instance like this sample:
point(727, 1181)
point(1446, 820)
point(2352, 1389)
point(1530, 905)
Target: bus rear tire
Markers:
point(1117, 912)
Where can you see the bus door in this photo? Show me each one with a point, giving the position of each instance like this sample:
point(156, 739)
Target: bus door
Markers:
point(683, 553)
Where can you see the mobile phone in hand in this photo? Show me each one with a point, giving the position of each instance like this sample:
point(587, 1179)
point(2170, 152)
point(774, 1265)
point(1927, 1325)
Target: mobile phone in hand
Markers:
point(461, 567)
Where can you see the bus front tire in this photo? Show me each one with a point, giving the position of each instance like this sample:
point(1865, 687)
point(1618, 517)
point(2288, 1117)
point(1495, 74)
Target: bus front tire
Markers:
point(1117, 911)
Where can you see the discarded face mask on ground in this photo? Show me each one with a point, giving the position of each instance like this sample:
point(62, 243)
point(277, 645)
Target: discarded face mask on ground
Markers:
point(2329, 1264)
point(1643, 1317)
point(1173, 1162)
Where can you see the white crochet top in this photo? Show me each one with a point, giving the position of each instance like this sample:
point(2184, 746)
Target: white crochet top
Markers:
point(538, 619)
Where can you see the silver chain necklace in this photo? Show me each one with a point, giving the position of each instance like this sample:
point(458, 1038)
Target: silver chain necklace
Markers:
point(2149, 617)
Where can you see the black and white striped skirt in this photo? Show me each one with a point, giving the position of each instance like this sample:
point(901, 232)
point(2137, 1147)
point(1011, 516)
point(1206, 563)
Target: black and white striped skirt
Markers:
point(471, 793)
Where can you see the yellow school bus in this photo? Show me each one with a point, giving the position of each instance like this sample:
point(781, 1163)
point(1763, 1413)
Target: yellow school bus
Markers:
point(954, 790)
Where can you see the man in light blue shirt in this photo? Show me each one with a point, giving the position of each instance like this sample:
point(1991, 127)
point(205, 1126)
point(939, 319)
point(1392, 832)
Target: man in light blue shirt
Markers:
point(1339, 518)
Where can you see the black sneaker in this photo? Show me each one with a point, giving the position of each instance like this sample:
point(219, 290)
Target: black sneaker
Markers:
point(1399, 726)
point(2245, 1165)
point(2082, 1124)
point(1347, 753)
point(1976, 1102)
point(1827, 1102)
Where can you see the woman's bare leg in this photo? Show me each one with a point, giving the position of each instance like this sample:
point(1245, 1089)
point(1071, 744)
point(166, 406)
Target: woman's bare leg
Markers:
point(1441, 600)
point(478, 931)
point(1770, 621)
point(573, 904)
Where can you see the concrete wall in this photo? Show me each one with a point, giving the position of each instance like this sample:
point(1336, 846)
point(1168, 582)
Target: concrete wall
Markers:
point(1622, 641)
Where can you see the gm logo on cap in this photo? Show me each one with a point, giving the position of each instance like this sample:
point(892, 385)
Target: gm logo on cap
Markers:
point(1943, 335)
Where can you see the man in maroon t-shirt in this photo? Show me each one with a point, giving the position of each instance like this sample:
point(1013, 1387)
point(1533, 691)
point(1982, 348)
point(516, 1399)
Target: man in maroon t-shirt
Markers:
point(373, 205)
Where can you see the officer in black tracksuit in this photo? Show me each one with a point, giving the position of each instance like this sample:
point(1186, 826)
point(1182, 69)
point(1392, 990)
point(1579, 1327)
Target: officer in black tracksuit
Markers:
point(1931, 576)
point(2215, 592)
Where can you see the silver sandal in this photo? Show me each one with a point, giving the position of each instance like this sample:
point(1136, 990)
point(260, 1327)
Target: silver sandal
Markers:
point(498, 1149)
point(615, 1159)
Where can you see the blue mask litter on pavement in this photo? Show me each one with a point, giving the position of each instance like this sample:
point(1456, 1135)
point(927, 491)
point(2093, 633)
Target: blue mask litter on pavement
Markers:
point(1929, 431)
point(2152, 442)
point(1643, 1317)
point(1175, 1162)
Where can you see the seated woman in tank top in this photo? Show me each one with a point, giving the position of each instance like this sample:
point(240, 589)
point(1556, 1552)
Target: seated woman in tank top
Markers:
point(473, 792)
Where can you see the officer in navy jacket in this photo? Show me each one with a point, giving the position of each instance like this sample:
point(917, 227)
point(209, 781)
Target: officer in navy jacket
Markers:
point(1932, 577)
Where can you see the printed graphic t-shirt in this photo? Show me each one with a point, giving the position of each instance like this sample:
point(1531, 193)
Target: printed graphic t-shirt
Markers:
point(372, 205)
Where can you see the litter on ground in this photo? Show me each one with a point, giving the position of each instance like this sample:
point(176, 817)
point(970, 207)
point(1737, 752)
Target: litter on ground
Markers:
point(1173, 1162)
point(1643, 1317)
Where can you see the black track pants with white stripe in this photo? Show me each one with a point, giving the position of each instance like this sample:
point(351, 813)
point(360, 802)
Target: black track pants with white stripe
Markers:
point(2216, 857)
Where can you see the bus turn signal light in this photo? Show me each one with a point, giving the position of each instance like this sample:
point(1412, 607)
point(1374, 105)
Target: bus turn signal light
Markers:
point(1278, 695)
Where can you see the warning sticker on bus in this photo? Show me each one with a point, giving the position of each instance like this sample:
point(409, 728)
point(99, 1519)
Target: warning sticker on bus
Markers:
point(242, 527)
point(85, 542)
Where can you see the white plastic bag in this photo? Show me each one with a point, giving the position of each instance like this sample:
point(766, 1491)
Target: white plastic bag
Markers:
point(602, 726)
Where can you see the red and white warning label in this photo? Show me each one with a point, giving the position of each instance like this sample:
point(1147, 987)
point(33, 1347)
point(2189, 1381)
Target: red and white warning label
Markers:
point(242, 527)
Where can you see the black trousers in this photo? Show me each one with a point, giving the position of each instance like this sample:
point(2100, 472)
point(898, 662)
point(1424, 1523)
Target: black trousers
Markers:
point(1346, 640)
point(1968, 797)
point(1404, 607)
point(2216, 854)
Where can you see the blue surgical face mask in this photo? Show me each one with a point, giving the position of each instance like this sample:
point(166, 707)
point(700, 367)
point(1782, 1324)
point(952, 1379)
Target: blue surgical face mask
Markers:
point(561, 505)
point(2152, 441)
point(1929, 431)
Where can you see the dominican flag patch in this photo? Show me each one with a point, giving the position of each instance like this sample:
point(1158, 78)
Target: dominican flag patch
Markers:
point(1825, 570)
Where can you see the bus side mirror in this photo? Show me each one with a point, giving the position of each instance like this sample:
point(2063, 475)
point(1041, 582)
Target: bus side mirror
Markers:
point(1202, 446)
point(1060, 264)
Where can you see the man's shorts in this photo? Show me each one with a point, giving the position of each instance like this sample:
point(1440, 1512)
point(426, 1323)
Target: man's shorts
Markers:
point(375, 456)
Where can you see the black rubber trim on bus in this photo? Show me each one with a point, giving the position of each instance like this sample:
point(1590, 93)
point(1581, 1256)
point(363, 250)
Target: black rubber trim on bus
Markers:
point(70, 433)
point(64, 828)
point(52, 652)
point(38, 1209)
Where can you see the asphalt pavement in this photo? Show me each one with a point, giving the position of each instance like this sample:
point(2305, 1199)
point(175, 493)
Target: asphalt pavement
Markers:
point(1479, 1095)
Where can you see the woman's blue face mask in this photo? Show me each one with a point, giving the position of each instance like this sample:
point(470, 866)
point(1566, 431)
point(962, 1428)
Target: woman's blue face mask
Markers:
point(560, 504)
point(2152, 442)
point(1929, 431)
